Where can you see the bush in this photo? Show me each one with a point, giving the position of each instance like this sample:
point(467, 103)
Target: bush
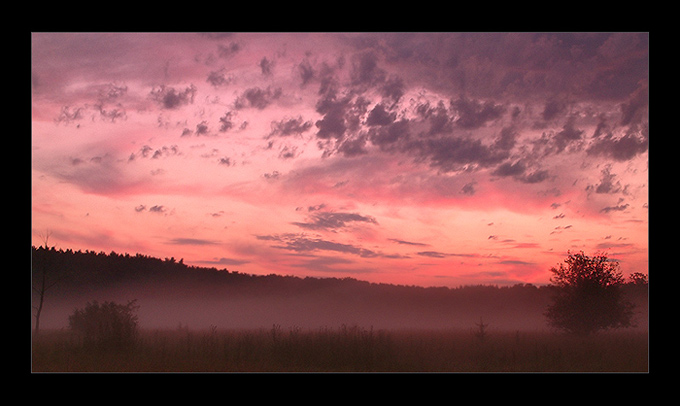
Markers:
point(588, 296)
point(106, 326)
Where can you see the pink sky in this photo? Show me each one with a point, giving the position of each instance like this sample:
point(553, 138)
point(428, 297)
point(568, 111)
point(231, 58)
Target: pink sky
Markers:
point(431, 159)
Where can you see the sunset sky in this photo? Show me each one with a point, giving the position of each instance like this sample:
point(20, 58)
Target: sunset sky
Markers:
point(430, 159)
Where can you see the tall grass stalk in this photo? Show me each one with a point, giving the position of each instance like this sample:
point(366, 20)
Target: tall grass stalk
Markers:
point(346, 349)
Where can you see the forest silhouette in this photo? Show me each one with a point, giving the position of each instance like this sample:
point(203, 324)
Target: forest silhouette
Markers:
point(170, 293)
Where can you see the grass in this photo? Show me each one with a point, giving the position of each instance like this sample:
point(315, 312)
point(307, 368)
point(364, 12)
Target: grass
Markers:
point(347, 349)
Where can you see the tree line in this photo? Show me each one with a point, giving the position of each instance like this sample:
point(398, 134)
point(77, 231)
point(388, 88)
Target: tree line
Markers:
point(62, 273)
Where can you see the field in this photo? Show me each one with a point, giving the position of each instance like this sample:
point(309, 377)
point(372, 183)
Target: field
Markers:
point(347, 349)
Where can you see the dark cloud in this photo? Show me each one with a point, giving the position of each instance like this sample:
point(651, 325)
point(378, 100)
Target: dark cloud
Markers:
point(468, 189)
point(219, 78)
point(332, 125)
point(518, 171)
point(619, 207)
point(291, 126)
point(365, 70)
point(633, 111)
point(302, 243)
point(393, 89)
point(452, 153)
point(552, 142)
point(162, 152)
point(316, 207)
point(306, 71)
point(288, 152)
point(475, 114)
point(325, 264)
point(170, 98)
point(379, 116)
point(535, 177)
point(633, 143)
point(226, 123)
point(354, 147)
point(608, 183)
point(257, 98)
point(202, 128)
point(516, 262)
point(568, 135)
point(157, 209)
point(332, 221)
point(432, 254)
point(228, 50)
point(402, 242)
point(507, 139)
point(552, 109)
point(69, 114)
point(266, 66)
point(510, 169)
point(225, 261)
point(272, 175)
point(528, 65)
point(437, 254)
point(439, 118)
point(191, 241)
point(391, 136)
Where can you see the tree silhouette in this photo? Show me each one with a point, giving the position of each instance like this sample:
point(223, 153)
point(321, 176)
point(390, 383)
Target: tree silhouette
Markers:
point(107, 325)
point(44, 278)
point(588, 295)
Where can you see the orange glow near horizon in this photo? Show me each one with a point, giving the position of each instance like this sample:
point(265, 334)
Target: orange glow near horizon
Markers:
point(369, 156)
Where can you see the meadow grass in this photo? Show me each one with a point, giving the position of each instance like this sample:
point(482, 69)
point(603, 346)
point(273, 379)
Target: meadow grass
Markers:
point(347, 349)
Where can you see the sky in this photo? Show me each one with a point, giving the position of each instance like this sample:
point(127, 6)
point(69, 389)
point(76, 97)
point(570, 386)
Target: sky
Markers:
point(428, 159)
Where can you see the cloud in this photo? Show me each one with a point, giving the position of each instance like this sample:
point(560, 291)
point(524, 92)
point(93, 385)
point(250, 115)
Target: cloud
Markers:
point(474, 114)
point(452, 153)
point(619, 207)
point(170, 98)
point(607, 184)
point(257, 98)
point(266, 66)
point(302, 243)
point(306, 71)
point(365, 70)
point(552, 142)
point(407, 242)
point(226, 123)
point(635, 141)
point(437, 254)
point(379, 116)
point(157, 209)
point(468, 189)
point(228, 50)
point(291, 126)
point(225, 261)
point(516, 262)
point(219, 78)
point(510, 169)
point(226, 161)
point(332, 125)
point(191, 241)
point(332, 221)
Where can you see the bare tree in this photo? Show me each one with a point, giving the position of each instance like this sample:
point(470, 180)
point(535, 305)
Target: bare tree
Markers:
point(481, 332)
point(42, 282)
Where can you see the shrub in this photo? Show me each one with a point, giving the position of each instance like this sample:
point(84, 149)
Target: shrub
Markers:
point(106, 326)
point(588, 296)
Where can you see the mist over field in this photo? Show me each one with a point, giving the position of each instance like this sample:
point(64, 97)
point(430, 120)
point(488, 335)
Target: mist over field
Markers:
point(172, 295)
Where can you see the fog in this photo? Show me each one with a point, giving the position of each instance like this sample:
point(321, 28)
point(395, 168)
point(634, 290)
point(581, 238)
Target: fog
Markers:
point(331, 307)
point(170, 295)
